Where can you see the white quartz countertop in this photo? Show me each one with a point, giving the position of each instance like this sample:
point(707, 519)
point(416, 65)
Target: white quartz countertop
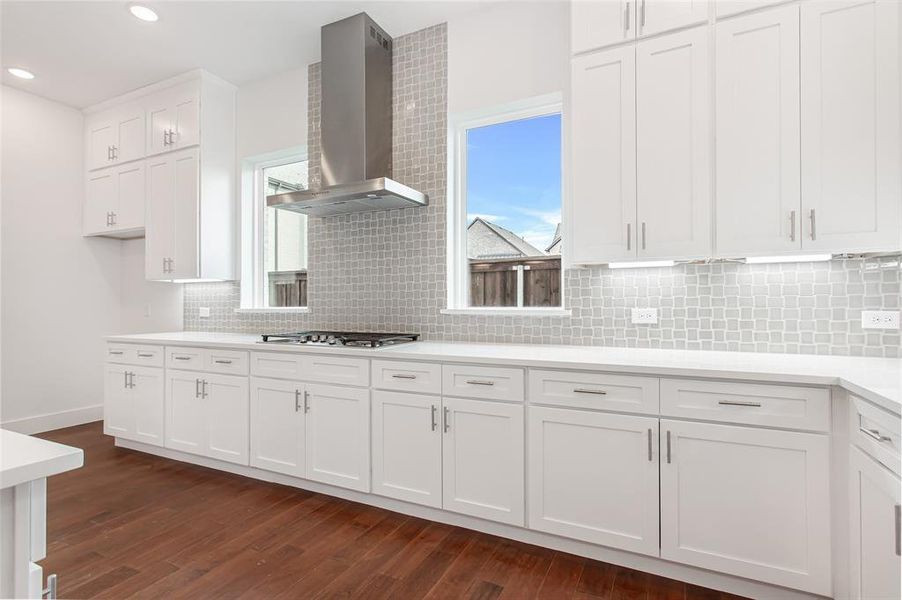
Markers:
point(26, 458)
point(876, 379)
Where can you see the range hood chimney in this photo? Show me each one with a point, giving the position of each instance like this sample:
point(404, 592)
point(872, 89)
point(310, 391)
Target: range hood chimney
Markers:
point(356, 122)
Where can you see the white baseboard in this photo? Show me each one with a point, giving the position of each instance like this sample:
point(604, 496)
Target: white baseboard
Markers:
point(639, 562)
point(57, 420)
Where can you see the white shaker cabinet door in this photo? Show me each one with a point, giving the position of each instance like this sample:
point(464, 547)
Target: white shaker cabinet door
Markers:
point(149, 405)
point(851, 136)
point(186, 182)
point(101, 133)
point(131, 187)
point(159, 217)
point(100, 202)
point(225, 399)
point(673, 146)
point(186, 415)
point(338, 436)
point(277, 426)
point(748, 502)
point(118, 410)
point(407, 447)
point(483, 460)
point(594, 477)
point(758, 165)
point(598, 23)
point(603, 138)
point(130, 131)
point(875, 542)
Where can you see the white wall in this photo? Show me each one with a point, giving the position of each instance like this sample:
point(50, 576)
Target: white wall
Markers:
point(146, 306)
point(272, 114)
point(507, 53)
point(60, 291)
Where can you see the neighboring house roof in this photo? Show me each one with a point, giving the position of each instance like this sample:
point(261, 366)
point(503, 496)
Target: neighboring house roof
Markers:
point(555, 246)
point(487, 240)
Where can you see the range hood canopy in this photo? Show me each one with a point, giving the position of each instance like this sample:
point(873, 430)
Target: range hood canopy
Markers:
point(356, 126)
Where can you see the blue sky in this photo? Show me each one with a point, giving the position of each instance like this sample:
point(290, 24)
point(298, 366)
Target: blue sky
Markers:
point(514, 176)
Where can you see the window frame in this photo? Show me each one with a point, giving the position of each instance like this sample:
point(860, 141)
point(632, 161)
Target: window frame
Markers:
point(253, 198)
point(458, 286)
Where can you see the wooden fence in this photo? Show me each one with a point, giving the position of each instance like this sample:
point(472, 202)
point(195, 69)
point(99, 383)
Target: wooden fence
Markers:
point(533, 282)
point(288, 288)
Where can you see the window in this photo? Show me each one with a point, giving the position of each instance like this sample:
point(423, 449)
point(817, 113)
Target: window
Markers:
point(505, 219)
point(274, 274)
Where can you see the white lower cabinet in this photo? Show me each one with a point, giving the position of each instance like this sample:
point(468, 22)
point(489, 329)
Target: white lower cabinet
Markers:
point(207, 414)
point(594, 477)
point(482, 459)
point(338, 435)
point(277, 426)
point(749, 502)
point(874, 503)
point(407, 447)
point(133, 403)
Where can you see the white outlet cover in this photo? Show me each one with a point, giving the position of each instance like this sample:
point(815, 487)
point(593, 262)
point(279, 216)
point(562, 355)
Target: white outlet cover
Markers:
point(645, 316)
point(204, 312)
point(880, 319)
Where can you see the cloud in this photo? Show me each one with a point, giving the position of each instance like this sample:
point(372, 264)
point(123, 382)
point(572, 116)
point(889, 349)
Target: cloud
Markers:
point(552, 217)
point(485, 217)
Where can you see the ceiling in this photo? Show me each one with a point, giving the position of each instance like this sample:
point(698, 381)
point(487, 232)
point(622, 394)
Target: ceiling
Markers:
point(85, 52)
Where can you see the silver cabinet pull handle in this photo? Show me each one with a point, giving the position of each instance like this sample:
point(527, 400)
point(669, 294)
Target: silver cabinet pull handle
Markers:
point(109, 153)
point(222, 362)
point(875, 434)
point(125, 379)
point(403, 376)
point(898, 511)
point(629, 231)
point(792, 226)
point(108, 219)
point(642, 16)
point(297, 401)
point(811, 217)
point(197, 388)
point(649, 445)
point(589, 391)
point(112, 218)
point(182, 357)
point(643, 222)
point(131, 379)
point(446, 421)
point(115, 351)
point(203, 389)
point(480, 382)
point(668, 447)
point(433, 411)
point(738, 403)
point(166, 138)
point(626, 23)
point(115, 153)
point(306, 401)
point(50, 592)
point(145, 355)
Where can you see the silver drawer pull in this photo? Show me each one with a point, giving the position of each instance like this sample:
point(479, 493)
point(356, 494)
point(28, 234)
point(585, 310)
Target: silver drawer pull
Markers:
point(589, 391)
point(117, 352)
point(182, 357)
point(739, 403)
point(480, 382)
point(402, 376)
point(875, 434)
point(145, 355)
point(223, 362)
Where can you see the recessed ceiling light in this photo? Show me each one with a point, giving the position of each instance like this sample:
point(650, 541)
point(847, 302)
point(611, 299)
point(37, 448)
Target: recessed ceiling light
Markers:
point(143, 13)
point(20, 73)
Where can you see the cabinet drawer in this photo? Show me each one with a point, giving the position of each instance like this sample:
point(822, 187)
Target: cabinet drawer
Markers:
point(281, 365)
point(336, 369)
point(425, 378)
point(750, 403)
point(877, 432)
point(184, 358)
point(133, 354)
point(594, 390)
point(489, 383)
point(233, 362)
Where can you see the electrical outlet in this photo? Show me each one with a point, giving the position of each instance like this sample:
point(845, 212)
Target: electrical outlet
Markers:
point(204, 312)
point(645, 315)
point(880, 319)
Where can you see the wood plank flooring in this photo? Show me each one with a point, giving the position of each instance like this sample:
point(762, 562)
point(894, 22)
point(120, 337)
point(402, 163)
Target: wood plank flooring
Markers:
point(134, 525)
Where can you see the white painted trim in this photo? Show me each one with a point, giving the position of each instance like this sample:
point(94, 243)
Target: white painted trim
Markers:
point(136, 94)
point(57, 420)
point(508, 312)
point(279, 310)
point(648, 564)
point(457, 275)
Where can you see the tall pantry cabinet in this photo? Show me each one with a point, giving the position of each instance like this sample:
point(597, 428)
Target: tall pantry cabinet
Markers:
point(177, 188)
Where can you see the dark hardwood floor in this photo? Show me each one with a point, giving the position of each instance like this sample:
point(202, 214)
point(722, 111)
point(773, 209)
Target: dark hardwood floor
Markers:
point(133, 525)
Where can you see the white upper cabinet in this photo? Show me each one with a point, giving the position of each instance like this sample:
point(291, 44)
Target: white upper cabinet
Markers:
point(656, 16)
point(115, 136)
point(851, 137)
point(173, 238)
point(598, 23)
point(672, 144)
point(173, 118)
point(758, 166)
point(749, 502)
point(114, 201)
point(603, 165)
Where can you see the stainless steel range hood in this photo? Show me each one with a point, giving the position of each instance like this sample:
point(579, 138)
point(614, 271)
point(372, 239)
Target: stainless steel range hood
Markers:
point(356, 122)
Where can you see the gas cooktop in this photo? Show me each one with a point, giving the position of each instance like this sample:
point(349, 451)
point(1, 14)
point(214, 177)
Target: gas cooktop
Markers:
point(340, 338)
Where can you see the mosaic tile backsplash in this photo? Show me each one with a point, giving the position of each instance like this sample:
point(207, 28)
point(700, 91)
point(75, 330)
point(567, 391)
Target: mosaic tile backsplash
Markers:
point(386, 271)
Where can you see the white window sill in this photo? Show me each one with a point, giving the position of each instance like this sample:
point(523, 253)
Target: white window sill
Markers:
point(273, 310)
point(509, 312)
